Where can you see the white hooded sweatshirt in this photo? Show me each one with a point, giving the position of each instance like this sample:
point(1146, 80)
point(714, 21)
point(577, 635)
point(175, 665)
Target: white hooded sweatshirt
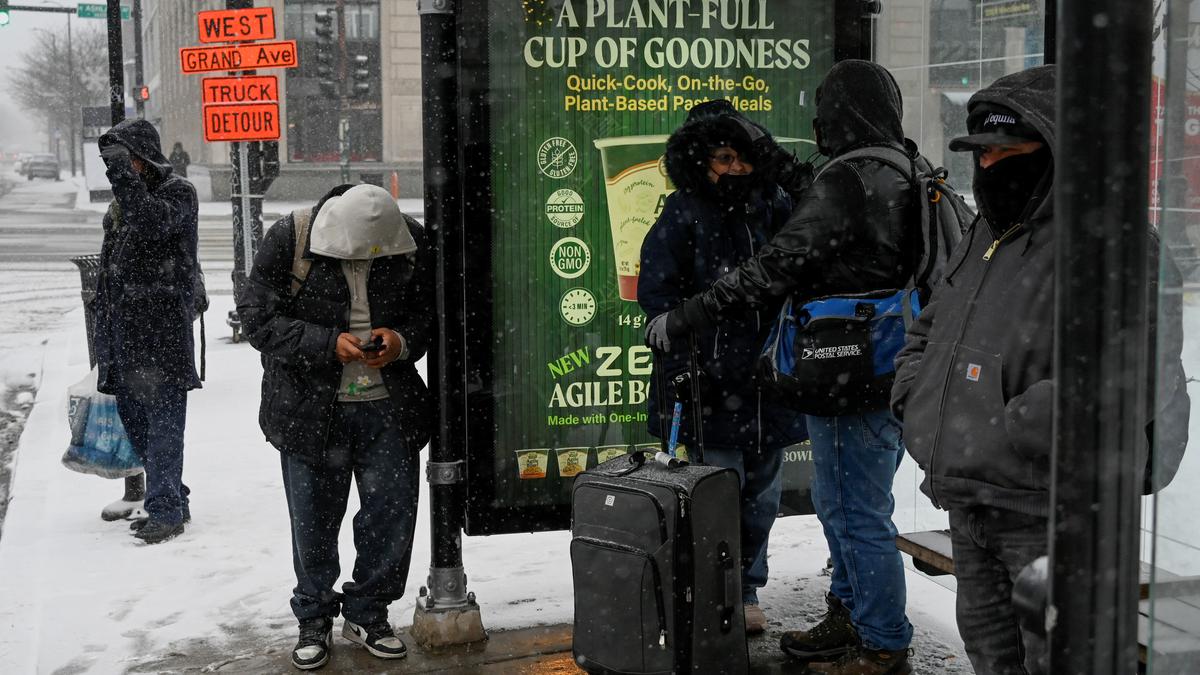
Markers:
point(362, 224)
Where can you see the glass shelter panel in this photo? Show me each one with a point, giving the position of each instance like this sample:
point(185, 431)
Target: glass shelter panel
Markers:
point(941, 52)
point(1170, 617)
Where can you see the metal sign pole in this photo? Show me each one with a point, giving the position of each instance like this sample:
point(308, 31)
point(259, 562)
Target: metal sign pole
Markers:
point(247, 214)
point(116, 72)
point(447, 614)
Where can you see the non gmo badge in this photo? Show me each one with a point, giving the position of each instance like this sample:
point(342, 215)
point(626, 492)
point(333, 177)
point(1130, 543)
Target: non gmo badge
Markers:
point(557, 157)
point(564, 208)
point(570, 257)
point(578, 306)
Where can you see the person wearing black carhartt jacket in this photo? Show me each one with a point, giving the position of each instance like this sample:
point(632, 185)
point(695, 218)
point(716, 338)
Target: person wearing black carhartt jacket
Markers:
point(297, 336)
point(974, 382)
point(856, 229)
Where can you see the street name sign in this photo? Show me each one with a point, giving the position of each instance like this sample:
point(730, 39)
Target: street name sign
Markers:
point(237, 25)
point(93, 10)
point(238, 57)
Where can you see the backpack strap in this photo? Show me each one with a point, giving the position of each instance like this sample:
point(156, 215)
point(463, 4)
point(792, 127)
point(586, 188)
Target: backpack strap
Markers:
point(883, 154)
point(301, 220)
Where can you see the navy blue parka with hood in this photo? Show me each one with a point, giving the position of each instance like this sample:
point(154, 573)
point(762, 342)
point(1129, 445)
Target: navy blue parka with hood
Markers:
point(144, 296)
point(699, 236)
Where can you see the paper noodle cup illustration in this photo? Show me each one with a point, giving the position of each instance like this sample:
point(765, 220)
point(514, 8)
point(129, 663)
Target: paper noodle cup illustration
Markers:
point(606, 452)
point(571, 461)
point(533, 463)
point(635, 183)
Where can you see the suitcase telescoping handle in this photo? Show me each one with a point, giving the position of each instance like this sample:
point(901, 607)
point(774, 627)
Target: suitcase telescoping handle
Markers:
point(670, 439)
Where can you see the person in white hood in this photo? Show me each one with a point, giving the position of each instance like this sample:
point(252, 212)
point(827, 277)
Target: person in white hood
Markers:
point(341, 311)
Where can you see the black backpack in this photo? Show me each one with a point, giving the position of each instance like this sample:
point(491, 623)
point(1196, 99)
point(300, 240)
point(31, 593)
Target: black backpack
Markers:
point(944, 215)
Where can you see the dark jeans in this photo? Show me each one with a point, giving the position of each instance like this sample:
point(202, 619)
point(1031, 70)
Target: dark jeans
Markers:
point(365, 441)
point(855, 458)
point(761, 476)
point(154, 417)
point(991, 547)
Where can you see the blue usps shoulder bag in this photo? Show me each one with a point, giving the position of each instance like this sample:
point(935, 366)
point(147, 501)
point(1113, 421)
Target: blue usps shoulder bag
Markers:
point(834, 355)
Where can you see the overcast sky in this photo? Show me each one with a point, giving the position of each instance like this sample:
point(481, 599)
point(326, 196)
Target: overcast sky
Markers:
point(19, 130)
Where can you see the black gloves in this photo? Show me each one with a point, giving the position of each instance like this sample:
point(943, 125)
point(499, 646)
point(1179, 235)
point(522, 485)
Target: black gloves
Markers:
point(678, 322)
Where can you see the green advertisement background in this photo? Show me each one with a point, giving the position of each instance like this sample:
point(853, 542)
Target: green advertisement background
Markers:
point(527, 110)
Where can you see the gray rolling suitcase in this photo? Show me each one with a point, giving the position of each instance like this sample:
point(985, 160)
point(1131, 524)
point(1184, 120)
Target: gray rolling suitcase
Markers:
point(654, 559)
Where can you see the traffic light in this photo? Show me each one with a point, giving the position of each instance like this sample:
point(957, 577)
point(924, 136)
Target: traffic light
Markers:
point(361, 75)
point(142, 93)
point(325, 49)
point(4, 16)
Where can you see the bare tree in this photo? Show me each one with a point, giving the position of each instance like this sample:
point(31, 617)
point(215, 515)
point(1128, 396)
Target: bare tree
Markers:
point(42, 82)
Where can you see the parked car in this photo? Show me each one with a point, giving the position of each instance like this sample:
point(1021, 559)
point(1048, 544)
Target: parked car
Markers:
point(45, 166)
point(22, 160)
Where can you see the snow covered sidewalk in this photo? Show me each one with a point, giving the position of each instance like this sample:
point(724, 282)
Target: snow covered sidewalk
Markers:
point(81, 595)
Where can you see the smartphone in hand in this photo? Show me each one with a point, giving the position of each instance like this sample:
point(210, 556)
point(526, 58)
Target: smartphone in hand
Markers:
point(375, 345)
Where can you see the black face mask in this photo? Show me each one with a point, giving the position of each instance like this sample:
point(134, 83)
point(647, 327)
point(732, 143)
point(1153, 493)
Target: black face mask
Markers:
point(736, 188)
point(1004, 190)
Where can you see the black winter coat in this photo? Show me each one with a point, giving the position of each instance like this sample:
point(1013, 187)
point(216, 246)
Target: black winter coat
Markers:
point(144, 294)
point(854, 230)
point(693, 243)
point(974, 382)
point(297, 336)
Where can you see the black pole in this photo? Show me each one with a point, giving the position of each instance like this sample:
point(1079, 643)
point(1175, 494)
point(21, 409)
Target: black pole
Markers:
point(116, 73)
point(1050, 32)
point(71, 107)
point(343, 98)
point(138, 74)
point(1100, 340)
point(439, 89)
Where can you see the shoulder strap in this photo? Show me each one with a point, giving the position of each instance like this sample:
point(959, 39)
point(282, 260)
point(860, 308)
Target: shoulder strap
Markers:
point(301, 219)
point(880, 153)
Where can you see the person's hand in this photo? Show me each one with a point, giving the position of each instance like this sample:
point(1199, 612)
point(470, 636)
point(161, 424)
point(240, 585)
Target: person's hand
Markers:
point(656, 333)
point(393, 348)
point(115, 154)
point(347, 349)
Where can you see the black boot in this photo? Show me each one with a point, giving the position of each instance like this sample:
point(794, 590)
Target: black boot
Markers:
point(156, 531)
point(831, 638)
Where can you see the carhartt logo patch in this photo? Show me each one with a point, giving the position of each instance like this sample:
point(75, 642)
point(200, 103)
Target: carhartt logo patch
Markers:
point(974, 370)
point(609, 500)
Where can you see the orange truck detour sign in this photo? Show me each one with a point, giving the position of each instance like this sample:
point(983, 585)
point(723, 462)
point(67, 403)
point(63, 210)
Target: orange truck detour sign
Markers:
point(239, 108)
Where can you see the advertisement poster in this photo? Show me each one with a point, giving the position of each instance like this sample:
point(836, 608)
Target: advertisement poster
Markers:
point(581, 97)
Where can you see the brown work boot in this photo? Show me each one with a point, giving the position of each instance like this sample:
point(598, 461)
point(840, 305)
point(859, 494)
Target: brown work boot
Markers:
point(863, 661)
point(831, 638)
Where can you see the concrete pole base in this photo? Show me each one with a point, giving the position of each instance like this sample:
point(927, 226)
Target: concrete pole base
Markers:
point(435, 627)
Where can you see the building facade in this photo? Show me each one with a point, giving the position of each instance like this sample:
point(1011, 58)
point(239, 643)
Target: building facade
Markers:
point(385, 123)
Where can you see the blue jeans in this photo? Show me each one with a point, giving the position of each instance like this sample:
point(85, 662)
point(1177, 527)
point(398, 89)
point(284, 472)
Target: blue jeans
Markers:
point(366, 442)
point(762, 484)
point(855, 459)
point(154, 417)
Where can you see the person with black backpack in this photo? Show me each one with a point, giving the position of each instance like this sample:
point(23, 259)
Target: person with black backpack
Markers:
point(855, 230)
point(146, 298)
point(340, 304)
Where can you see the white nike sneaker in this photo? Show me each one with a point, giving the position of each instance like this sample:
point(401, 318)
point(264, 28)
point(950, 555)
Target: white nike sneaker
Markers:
point(378, 638)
